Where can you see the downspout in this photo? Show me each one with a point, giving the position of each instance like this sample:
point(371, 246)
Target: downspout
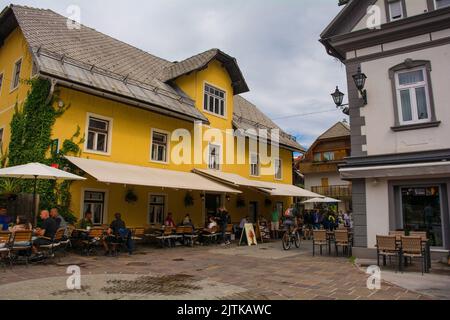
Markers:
point(52, 91)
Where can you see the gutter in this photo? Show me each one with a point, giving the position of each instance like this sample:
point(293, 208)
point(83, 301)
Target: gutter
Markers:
point(103, 94)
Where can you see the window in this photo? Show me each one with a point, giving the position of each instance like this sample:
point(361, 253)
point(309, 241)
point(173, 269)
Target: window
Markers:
point(317, 157)
point(413, 96)
point(1, 82)
point(54, 147)
point(254, 164)
point(94, 202)
point(16, 75)
point(278, 168)
point(156, 209)
point(214, 100)
point(1, 136)
point(159, 146)
point(396, 10)
point(442, 3)
point(98, 135)
point(214, 157)
point(328, 156)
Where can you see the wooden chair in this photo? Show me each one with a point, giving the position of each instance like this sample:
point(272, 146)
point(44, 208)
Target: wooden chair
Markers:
point(387, 247)
point(95, 237)
point(210, 235)
point(51, 248)
point(189, 236)
point(5, 243)
point(342, 239)
point(228, 232)
point(166, 237)
point(412, 248)
point(319, 239)
point(21, 245)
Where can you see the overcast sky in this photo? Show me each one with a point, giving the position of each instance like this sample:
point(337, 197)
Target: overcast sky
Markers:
point(275, 43)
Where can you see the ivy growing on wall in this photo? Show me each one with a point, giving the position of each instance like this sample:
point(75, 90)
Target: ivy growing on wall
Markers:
point(31, 140)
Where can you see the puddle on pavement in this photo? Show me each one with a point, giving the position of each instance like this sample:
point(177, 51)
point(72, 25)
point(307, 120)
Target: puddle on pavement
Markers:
point(178, 284)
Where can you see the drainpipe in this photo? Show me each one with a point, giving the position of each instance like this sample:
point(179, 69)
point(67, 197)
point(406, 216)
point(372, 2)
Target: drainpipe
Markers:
point(52, 90)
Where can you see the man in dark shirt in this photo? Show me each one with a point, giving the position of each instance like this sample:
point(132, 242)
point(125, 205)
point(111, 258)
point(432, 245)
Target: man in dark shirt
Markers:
point(118, 225)
point(47, 232)
point(118, 234)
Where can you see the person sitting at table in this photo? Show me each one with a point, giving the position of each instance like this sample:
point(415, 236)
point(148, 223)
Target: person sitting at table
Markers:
point(46, 233)
point(22, 224)
point(212, 225)
point(187, 220)
point(86, 222)
point(168, 222)
point(4, 219)
point(60, 221)
point(118, 233)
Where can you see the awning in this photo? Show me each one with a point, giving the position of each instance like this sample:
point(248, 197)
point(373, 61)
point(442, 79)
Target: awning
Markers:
point(111, 172)
point(322, 200)
point(273, 189)
point(395, 171)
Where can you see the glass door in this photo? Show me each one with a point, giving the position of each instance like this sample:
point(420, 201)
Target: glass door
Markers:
point(422, 211)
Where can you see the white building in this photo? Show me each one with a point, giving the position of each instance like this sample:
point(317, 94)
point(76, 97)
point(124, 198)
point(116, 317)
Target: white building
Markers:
point(400, 138)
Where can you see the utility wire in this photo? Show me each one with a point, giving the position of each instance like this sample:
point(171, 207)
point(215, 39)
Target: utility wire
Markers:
point(303, 114)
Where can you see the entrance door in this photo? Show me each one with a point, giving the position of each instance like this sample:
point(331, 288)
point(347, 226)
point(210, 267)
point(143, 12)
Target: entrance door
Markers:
point(422, 211)
point(253, 210)
point(212, 204)
point(280, 208)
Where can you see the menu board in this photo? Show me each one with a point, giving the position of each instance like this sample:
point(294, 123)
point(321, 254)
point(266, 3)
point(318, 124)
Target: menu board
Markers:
point(248, 235)
point(263, 230)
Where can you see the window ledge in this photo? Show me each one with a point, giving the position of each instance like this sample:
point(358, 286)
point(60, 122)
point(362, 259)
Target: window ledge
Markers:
point(416, 126)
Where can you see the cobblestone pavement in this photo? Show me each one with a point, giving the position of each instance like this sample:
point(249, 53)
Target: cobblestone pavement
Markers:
point(229, 273)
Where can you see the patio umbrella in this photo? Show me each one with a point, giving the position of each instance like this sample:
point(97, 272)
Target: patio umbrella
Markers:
point(322, 200)
point(35, 171)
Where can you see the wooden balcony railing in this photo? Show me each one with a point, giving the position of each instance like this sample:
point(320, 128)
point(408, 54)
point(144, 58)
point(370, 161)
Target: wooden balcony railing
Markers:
point(335, 191)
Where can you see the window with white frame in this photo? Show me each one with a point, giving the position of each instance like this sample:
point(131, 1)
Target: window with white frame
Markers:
point(156, 209)
point(317, 157)
point(214, 100)
point(396, 10)
point(214, 157)
point(159, 146)
point(254, 164)
point(16, 74)
point(94, 202)
point(98, 134)
point(413, 98)
point(278, 169)
point(1, 82)
point(442, 3)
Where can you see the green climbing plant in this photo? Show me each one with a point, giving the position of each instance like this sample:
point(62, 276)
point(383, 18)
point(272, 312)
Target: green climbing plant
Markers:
point(31, 141)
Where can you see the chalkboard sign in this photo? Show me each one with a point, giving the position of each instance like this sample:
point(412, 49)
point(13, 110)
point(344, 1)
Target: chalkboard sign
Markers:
point(263, 230)
point(248, 235)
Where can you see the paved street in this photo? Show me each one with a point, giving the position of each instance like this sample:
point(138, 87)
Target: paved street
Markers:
point(215, 272)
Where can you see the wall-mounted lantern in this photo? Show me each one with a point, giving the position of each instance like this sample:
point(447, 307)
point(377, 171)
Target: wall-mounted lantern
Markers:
point(338, 96)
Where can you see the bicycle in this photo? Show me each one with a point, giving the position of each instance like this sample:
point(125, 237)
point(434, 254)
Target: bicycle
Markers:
point(291, 238)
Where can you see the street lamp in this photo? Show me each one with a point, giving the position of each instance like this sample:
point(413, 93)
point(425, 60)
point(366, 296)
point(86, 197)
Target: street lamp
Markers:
point(338, 98)
point(360, 81)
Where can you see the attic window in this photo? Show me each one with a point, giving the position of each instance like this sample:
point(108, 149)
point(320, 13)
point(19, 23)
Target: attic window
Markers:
point(16, 74)
point(442, 3)
point(396, 10)
point(214, 100)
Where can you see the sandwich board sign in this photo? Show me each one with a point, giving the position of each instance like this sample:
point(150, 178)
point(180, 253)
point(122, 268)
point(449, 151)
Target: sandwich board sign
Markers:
point(248, 235)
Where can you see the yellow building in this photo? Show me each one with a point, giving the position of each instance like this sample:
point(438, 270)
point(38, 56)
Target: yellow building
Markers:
point(132, 107)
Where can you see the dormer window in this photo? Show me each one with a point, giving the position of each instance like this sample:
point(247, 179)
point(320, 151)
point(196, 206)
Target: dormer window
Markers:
point(214, 100)
point(396, 10)
point(442, 3)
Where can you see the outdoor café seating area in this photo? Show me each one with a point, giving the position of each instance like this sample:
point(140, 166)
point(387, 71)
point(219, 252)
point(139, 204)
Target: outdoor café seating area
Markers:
point(403, 249)
point(340, 239)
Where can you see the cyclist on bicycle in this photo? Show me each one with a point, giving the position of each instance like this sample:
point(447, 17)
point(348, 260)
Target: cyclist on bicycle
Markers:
point(289, 221)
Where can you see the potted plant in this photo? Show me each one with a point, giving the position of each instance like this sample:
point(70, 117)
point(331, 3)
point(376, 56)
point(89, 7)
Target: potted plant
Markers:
point(188, 200)
point(9, 187)
point(130, 196)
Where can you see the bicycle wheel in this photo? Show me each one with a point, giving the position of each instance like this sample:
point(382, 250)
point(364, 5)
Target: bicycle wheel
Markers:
point(296, 240)
point(286, 241)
